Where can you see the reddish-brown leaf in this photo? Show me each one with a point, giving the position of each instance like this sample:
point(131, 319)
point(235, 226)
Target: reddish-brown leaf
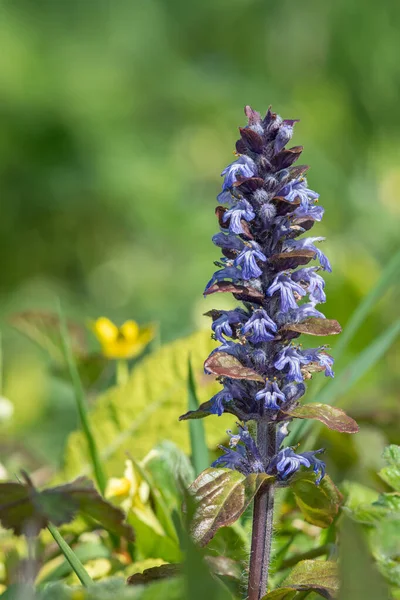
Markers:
point(291, 260)
point(248, 184)
point(332, 417)
point(220, 496)
point(314, 326)
point(243, 292)
point(226, 365)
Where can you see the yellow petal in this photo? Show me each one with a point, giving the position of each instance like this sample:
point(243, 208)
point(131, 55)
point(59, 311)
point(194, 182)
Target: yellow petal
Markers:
point(130, 331)
point(146, 334)
point(105, 330)
point(131, 476)
point(118, 487)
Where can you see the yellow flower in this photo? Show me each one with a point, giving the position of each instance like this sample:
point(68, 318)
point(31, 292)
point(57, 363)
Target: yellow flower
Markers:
point(126, 341)
point(132, 493)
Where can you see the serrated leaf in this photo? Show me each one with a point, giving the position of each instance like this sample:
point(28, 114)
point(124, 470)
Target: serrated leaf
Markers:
point(391, 473)
point(319, 504)
point(334, 418)
point(220, 496)
point(319, 576)
point(23, 507)
point(156, 391)
point(223, 364)
point(314, 326)
point(385, 544)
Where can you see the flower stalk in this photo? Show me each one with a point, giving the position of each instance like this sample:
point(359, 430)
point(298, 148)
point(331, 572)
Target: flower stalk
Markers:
point(259, 363)
point(263, 516)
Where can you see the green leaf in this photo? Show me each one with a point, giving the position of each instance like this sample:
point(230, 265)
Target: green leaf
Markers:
point(319, 504)
point(224, 567)
point(199, 450)
point(385, 544)
point(19, 591)
point(281, 594)
point(356, 494)
point(358, 575)
point(220, 496)
point(314, 575)
point(22, 507)
point(332, 417)
point(391, 473)
point(156, 392)
point(171, 473)
point(70, 556)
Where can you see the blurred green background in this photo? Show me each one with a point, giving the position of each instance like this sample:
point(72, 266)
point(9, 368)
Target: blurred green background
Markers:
point(116, 119)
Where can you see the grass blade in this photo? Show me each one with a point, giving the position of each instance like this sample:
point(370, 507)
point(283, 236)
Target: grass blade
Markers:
point(71, 557)
point(196, 428)
point(81, 405)
point(347, 378)
point(390, 275)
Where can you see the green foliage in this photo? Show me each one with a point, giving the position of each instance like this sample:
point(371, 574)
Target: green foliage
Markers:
point(199, 450)
point(382, 517)
point(319, 504)
point(308, 575)
point(220, 496)
point(391, 473)
point(156, 391)
point(359, 578)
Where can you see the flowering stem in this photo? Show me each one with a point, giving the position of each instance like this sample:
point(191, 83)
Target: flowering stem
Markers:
point(122, 371)
point(262, 519)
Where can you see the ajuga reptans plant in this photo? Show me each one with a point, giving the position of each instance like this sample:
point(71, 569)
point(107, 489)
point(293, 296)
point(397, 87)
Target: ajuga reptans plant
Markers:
point(265, 210)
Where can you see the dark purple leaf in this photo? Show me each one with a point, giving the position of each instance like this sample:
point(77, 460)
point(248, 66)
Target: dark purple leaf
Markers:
point(251, 139)
point(304, 222)
point(286, 158)
point(291, 260)
point(220, 211)
point(248, 184)
point(253, 116)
